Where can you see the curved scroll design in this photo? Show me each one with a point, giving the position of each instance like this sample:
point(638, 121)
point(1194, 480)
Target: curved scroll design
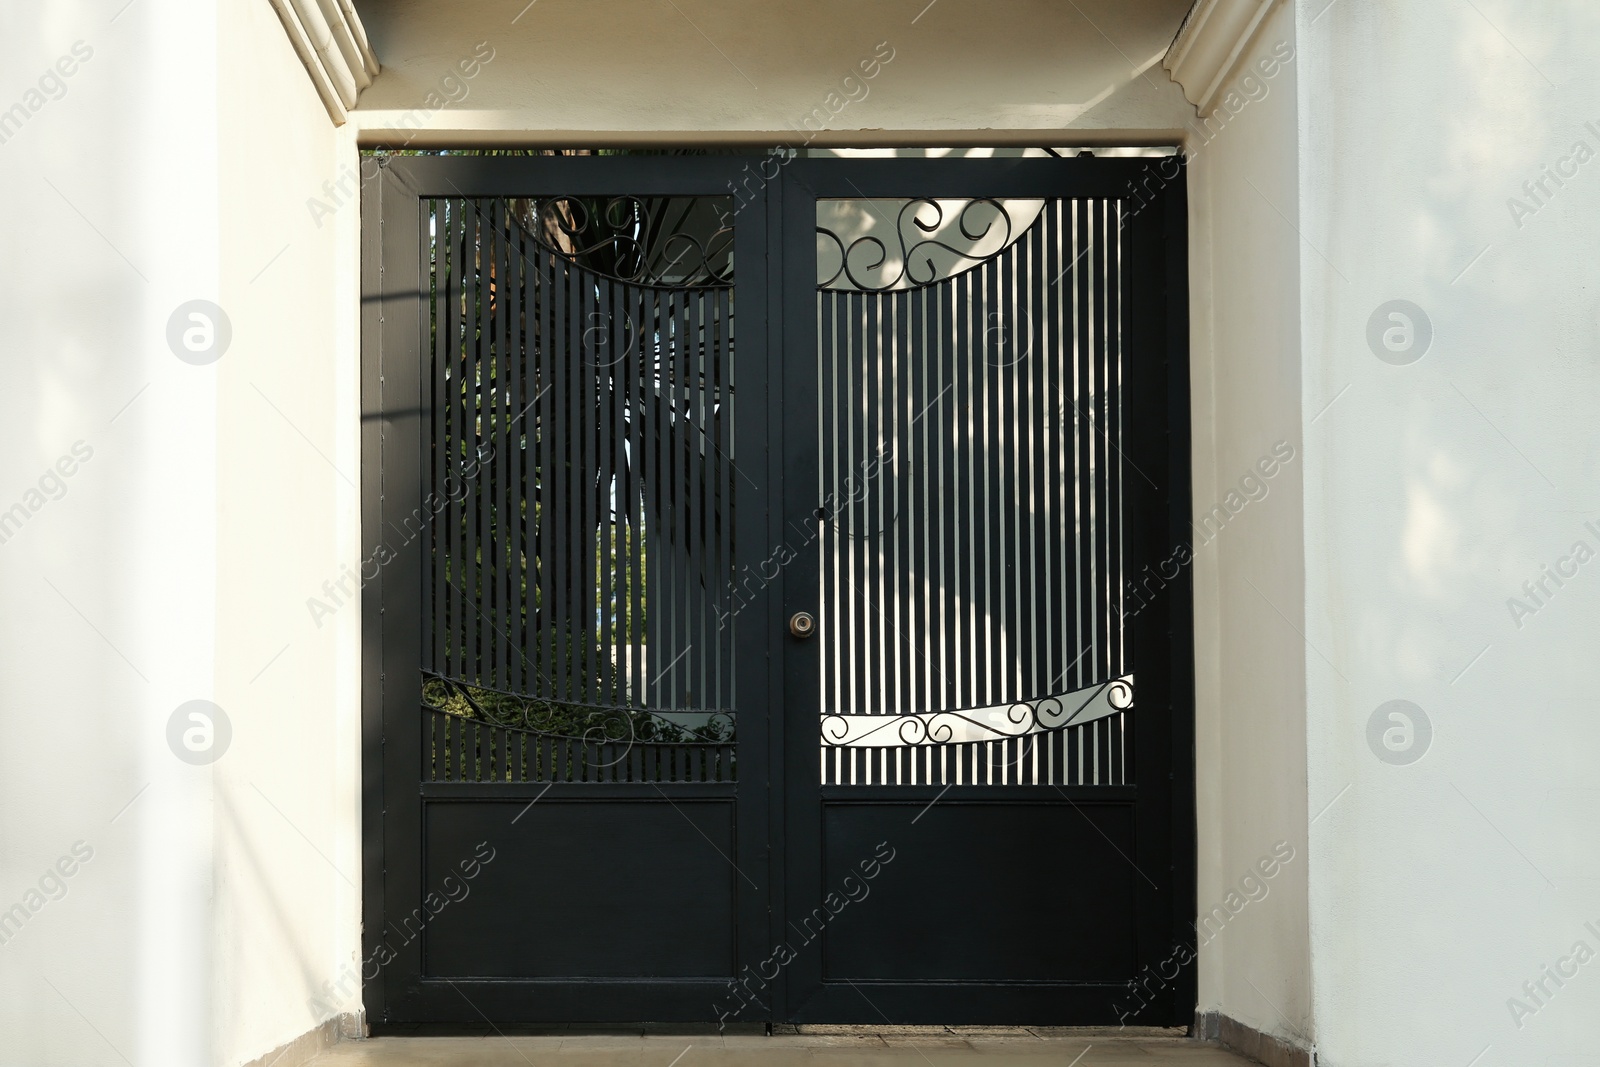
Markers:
point(590, 724)
point(663, 242)
point(1043, 715)
point(928, 251)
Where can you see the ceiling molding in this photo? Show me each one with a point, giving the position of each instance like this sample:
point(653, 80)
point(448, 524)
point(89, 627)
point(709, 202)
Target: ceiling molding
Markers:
point(332, 45)
point(1209, 44)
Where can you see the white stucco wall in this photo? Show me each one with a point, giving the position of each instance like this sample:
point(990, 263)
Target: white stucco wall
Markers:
point(1249, 582)
point(107, 593)
point(288, 830)
point(169, 165)
point(1433, 491)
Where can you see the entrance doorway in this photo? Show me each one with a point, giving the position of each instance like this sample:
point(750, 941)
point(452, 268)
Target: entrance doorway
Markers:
point(754, 634)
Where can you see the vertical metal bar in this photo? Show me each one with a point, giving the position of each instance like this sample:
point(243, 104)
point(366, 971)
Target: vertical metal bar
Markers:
point(559, 506)
point(472, 530)
point(433, 601)
point(889, 460)
point(854, 676)
point(717, 587)
point(618, 334)
point(1104, 457)
point(833, 549)
point(873, 555)
point(1117, 582)
point(695, 542)
point(483, 414)
point(1083, 444)
point(431, 773)
point(586, 545)
point(727, 483)
point(828, 502)
point(1049, 355)
point(605, 489)
point(575, 549)
point(1063, 467)
point(456, 512)
point(655, 492)
point(638, 510)
point(498, 465)
point(965, 559)
point(572, 551)
point(947, 414)
point(547, 476)
point(511, 458)
point(919, 504)
point(993, 519)
point(1031, 358)
point(667, 536)
point(827, 614)
point(682, 526)
point(1012, 632)
point(1002, 446)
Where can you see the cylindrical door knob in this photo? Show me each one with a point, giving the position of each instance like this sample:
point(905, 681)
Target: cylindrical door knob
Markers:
point(801, 624)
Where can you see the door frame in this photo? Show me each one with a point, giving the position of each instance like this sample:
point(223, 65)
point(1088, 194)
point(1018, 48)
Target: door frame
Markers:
point(390, 230)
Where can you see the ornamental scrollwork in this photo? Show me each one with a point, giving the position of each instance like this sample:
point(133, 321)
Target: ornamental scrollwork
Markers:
point(1018, 719)
point(918, 253)
point(662, 242)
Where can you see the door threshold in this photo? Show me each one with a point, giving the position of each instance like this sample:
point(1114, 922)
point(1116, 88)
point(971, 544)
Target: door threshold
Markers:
point(573, 1029)
point(978, 1030)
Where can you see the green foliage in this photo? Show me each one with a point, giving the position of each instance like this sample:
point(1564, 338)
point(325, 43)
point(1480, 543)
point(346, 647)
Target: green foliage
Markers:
point(596, 725)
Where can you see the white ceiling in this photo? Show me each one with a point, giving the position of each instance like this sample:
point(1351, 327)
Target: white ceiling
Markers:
point(961, 70)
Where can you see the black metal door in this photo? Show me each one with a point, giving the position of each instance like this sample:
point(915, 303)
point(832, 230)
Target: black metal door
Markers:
point(987, 745)
point(631, 422)
point(566, 437)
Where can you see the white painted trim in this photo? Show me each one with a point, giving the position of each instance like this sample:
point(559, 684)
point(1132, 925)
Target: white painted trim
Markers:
point(358, 34)
point(1209, 44)
point(315, 24)
point(344, 44)
point(332, 45)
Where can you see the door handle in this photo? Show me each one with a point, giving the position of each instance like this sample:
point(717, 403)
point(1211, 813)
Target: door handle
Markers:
point(801, 624)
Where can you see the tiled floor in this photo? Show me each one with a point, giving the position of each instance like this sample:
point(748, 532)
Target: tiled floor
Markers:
point(878, 1048)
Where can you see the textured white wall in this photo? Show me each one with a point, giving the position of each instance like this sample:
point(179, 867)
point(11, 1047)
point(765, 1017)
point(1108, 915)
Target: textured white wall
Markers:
point(165, 912)
point(106, 594)
point(1434, 490)
point(286, 794)
point(1248, 507)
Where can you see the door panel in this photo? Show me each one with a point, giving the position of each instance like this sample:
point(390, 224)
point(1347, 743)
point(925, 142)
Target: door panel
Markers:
point(955, 901)
point(583, 889)
point(570, 705)
point(982, 485)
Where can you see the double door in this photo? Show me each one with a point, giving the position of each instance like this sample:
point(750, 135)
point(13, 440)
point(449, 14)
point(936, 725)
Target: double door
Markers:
point(756, 628)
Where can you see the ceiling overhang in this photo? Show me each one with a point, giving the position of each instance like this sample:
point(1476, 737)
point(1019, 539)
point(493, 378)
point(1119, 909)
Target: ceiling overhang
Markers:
point(332, 45)
point(1207, 49)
